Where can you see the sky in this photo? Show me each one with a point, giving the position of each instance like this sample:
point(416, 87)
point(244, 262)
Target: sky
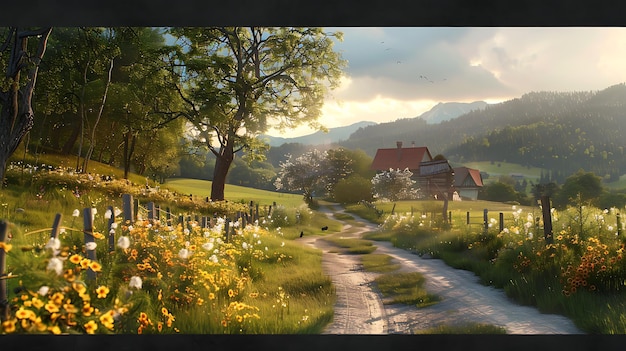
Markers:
point(402, 72)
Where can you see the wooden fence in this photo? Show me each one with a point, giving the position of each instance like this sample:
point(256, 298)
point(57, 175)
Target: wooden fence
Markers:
point(130, 210)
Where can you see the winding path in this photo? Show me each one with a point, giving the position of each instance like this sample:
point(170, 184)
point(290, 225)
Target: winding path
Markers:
point(360, 310)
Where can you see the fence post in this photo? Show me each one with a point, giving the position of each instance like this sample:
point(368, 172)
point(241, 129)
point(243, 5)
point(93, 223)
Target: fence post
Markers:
point(501, 222)
point(150, 208)
point(127, 207)
point(168, 217)
point(157, 213)
point(135, 209)
point(468, 218)
point(486, 220)
point(256, 214)
point(89, 238)
point(111, 232)
point(619, 224)
point(4, 297)
point(56, 226)
point(450, 218)
point(547, 219)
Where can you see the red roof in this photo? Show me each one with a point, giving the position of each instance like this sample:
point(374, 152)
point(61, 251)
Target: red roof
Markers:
point(464, 175)
point(400, 158)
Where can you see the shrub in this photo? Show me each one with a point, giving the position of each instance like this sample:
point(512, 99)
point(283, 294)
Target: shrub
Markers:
point(353, 189)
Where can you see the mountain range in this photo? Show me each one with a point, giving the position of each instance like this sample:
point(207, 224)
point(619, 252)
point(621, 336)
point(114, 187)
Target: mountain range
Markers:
point(443, 111)
point(560, 132)
point(333, 135)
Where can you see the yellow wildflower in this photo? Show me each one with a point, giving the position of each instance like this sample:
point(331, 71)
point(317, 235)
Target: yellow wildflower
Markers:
point(75, 259)
point(55, 329)
point(6, 247)
point(95, 266)
point(90, 327)
point(80, 288)
point(9, 326)
point(84, 263)
point(102, 291)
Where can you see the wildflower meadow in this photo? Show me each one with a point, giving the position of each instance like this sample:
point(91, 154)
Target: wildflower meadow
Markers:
point(580, 272)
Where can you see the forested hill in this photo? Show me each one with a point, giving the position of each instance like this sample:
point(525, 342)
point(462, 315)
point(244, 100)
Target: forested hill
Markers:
point(562, 132)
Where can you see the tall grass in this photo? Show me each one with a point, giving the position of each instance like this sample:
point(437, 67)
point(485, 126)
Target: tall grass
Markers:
point(405, 288)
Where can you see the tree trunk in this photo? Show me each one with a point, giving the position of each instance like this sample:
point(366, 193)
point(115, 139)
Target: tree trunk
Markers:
point(222, 165)
point(71, 141)
point(16, 115)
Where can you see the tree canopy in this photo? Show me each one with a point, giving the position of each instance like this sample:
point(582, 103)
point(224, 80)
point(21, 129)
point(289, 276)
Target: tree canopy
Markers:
point(237, 81)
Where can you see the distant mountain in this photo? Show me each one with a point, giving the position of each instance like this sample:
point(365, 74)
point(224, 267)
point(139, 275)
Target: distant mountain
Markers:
point(445, 111)
point(319, 138)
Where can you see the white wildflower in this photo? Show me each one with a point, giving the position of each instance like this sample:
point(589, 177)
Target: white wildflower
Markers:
point(123, 242)
point(90, 246)
point(43, 291)
point(244, 245)
point(54, 244)
point(184, 254)
point(113, 225)
point(213, 258)
point(135, 282)
point(76, 213)
point(108, 213)
point(207, 246)
point(55, 264)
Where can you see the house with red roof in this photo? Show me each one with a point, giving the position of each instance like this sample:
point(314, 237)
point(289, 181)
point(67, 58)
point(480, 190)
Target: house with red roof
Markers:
point(467, 182)
point(433, 176)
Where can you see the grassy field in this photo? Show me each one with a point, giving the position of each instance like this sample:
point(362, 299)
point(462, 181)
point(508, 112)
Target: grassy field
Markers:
point(235, 193)
point(503, 168)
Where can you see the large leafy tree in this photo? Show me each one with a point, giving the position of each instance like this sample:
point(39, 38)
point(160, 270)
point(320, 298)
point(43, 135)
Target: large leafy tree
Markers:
point(237, 81)
point(21, 61)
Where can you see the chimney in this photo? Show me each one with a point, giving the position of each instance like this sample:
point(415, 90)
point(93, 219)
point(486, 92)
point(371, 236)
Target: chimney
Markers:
point(413, 144)
point(399, 144)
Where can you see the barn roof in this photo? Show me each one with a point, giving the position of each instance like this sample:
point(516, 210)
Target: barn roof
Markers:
point(400, 158)
point(463, 174)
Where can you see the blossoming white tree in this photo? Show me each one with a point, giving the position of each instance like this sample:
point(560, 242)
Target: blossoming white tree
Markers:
point(306, 173)
point(394, 185)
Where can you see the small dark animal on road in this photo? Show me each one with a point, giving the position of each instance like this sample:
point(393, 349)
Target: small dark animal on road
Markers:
point(325, 228)
point(301, 234)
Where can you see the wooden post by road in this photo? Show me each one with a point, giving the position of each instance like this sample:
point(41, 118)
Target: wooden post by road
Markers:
point(547, 219)
point(485, 219)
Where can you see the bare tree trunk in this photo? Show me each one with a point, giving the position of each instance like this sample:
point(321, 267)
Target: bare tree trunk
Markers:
point(92, 143)
point(17, 116)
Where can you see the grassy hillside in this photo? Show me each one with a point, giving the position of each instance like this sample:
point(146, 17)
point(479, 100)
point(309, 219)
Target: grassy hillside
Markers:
point(497, 169)
point(235, 193)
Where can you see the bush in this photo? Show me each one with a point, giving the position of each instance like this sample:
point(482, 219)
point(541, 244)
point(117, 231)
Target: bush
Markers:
point(353, 189)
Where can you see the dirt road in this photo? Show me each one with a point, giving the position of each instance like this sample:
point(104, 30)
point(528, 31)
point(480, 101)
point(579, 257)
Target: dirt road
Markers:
point(359, 308)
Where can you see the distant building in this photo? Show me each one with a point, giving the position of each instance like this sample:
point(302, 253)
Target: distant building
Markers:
point(434, 176)
point(467, 182)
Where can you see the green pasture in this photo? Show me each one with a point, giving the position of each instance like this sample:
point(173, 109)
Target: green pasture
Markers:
point(234, 193)
point(497, 169)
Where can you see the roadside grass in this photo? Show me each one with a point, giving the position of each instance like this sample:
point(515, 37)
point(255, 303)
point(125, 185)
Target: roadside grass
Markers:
point(429, 212)
point(467, 328)
point(405, 288)
point(379, 263)
point(292, 295)
point(351, 245)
